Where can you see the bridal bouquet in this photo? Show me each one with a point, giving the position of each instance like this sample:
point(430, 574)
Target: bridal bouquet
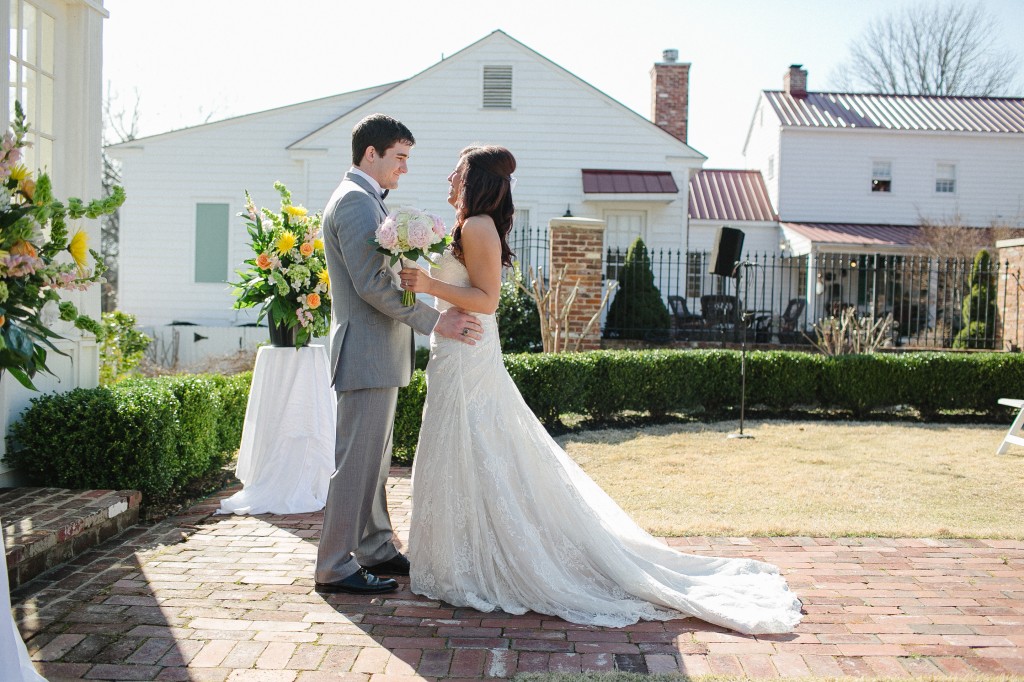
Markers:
point(412, 234)
point(38, 259)
point(287, 277)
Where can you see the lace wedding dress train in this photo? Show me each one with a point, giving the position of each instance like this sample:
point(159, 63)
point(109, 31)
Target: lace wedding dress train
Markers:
point(502, 518)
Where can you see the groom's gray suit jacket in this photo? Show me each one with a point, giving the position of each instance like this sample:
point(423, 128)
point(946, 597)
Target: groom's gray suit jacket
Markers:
point(371, 331)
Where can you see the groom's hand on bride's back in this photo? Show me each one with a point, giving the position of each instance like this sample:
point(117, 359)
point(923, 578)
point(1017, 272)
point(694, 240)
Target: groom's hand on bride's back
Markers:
point(459, 325)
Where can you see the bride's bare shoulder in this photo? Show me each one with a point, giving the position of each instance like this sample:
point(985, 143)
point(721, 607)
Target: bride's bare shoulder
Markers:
point(480, 228)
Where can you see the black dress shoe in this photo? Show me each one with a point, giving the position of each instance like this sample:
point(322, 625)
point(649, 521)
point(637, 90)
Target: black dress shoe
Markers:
point(360, 582)
point(396, 565)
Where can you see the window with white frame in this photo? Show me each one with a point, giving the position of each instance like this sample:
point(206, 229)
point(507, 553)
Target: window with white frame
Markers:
point(945, 178)
point(695, 274)
point(30, 78)
point(497, 87)
point(881, 176)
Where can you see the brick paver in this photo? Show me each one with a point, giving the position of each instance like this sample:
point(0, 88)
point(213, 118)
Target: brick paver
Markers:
point(201, 597)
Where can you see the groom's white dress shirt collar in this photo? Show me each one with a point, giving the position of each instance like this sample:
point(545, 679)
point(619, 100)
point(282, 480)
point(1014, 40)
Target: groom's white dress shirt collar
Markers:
point(373, 183)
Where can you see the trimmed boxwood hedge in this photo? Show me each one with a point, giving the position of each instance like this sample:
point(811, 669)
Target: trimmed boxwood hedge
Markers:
point(151, 435)
point(155, 435)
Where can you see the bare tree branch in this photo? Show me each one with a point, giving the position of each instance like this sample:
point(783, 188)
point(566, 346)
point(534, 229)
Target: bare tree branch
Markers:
point(930, 49)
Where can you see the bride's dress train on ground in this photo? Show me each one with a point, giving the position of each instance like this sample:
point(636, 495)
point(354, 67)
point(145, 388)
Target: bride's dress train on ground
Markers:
point(502, 517)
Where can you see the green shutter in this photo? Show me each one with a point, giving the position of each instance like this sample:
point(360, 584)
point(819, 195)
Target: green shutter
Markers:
point(211, 242)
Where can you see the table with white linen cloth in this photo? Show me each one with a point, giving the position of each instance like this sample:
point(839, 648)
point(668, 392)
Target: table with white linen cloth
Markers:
point(286, 456)
point(15, 665)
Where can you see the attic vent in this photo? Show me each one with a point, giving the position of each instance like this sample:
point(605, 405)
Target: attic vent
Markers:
point(497, 87)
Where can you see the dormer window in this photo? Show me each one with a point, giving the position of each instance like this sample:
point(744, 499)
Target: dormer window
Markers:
point(497, 87)
point(881, 176)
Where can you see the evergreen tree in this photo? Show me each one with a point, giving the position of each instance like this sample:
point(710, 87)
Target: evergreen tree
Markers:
point(637, 312)
point(979, 310)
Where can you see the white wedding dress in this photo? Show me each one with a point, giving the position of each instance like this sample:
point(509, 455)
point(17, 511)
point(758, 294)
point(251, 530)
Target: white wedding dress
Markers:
point(15, 664)
point(502, 518)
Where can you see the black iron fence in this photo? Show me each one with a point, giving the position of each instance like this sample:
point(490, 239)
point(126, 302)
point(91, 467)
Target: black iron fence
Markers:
point(772, 298)
point(776, 298)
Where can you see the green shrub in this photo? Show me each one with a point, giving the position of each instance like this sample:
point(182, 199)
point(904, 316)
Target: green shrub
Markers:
point(979, 308)
point(637, 311)
point(408, 415)
point(422, 357)
point(233, 390)
point(105, 438)
point(552, 383)
point(199, 411)
point(518, 320)
point(121, 347)
point(151, 435)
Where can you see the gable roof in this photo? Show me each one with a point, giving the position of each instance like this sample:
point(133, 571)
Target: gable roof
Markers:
point(899, 112)
point(345, 101)
point(498, 34)
point(730, 195)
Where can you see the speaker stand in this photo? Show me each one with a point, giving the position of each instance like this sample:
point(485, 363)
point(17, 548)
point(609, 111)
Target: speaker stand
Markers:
point(745, 319)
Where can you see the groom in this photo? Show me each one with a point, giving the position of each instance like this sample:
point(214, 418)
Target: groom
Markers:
point(372, 354)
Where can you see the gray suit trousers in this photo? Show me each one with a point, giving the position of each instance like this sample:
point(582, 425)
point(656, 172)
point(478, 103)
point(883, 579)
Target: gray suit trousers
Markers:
point(357, 527)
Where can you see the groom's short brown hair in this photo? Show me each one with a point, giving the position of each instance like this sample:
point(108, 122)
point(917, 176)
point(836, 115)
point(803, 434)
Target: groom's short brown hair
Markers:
point(379, 131)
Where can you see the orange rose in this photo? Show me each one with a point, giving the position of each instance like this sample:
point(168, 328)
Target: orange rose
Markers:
point(23, 248)
point(263, 261)
point(313, 301)
point(306, 249)
point(3, 320)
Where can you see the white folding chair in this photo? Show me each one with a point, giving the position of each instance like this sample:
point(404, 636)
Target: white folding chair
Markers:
point(1016, 433)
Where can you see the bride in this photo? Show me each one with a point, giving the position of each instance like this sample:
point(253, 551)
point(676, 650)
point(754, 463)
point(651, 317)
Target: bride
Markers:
point(502, 518)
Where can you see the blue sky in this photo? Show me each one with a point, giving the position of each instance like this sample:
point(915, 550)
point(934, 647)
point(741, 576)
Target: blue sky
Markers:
point(193, 59)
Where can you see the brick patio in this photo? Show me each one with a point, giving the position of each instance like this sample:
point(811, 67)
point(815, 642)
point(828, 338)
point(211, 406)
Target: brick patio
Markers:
point(200, 597)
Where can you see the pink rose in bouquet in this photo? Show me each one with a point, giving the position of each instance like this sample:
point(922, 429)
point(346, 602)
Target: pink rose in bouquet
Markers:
point(412, 234)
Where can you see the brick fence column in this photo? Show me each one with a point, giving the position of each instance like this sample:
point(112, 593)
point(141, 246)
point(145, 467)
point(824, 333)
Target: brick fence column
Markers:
point(1010, 294)
point(578, 243)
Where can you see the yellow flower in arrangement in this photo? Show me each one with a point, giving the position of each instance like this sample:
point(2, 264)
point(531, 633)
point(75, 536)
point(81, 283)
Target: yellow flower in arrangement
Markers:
point(286, 276)
point(286, 242)
point(33, 235)
point(79, 249)
point(19, 172)
point(325, 278)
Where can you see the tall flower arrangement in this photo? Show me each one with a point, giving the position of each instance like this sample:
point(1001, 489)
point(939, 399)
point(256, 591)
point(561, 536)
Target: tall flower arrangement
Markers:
point(33, 270)
point(287, 276)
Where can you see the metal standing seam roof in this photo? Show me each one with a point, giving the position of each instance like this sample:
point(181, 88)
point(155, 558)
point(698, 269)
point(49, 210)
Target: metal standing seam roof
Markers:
point(730, 195)
point(859, 234)
point(899, 112)
point(598, 181)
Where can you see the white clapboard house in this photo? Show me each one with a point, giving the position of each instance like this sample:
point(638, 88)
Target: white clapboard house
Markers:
point(854, 178)
point(578, 151)
point(54, 50)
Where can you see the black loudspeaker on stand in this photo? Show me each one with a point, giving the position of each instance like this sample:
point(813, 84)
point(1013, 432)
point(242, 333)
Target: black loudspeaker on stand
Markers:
point(727, 252)
point(727, 261)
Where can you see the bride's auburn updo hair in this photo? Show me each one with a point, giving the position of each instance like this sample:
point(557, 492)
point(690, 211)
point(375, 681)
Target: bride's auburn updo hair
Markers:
point(486, 190)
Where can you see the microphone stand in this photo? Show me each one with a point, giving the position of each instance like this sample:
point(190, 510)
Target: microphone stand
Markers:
point(745, 318)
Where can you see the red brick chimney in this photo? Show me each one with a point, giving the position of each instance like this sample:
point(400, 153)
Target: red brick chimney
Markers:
point(670, 86)
point(795, 81)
